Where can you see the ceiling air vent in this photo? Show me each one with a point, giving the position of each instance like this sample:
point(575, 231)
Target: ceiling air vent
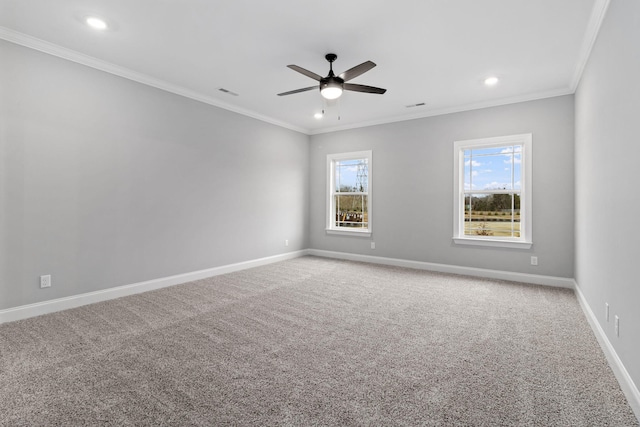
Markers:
point(227, 91)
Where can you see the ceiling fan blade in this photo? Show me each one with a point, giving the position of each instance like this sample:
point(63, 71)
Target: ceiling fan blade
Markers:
point(354, 72)
point(291, 92)
point(363, 88)
point(307, 73)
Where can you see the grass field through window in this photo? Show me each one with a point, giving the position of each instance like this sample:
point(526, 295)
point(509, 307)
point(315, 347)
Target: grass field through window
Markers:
point(497, 224)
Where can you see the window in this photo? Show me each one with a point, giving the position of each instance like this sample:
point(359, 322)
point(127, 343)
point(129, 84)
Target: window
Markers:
point(492, 192)
point(349, 193)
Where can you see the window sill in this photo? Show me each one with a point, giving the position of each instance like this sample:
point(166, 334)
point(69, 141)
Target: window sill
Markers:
point(353, 233)
point(493, 243)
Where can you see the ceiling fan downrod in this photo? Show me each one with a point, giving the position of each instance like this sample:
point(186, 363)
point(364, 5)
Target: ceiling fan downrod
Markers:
point(331, 87)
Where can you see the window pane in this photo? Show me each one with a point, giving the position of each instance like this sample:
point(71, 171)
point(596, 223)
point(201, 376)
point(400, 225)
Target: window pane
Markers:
point(496, 168)
point(495, 215)
point(491, 172)
point(476, 152)
point(468, 179)
point(351, 211)
point(517, 171)
point(469, 210)
point(352, 175)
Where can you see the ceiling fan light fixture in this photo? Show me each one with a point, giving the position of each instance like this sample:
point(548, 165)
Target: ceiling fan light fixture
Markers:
point(331, 90)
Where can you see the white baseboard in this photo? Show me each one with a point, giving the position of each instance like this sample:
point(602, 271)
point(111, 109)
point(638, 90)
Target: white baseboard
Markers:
point(627, 385)
point(558, 282)
point(45, 307)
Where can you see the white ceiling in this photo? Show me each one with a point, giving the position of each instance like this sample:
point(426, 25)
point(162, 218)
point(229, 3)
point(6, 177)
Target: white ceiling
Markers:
point(436, 52)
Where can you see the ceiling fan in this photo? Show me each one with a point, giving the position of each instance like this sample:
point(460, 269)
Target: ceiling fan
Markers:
point(331, 87)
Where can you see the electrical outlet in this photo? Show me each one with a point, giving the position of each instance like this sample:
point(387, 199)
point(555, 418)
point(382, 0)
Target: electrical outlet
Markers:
point(373, 245)
point(286, 242)
point(606, 310)
point(45, 281)
point(534, 260)
point(617, 326)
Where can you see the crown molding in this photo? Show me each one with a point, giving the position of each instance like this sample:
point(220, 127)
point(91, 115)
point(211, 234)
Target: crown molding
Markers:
point(89, 61)
point(457, 109)
point(591, 34)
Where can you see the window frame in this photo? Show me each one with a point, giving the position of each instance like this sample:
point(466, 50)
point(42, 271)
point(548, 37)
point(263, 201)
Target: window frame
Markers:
point(526, 221)
point(331, 227)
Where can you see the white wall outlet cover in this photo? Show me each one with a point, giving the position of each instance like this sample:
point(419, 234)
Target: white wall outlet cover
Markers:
point(45, 281)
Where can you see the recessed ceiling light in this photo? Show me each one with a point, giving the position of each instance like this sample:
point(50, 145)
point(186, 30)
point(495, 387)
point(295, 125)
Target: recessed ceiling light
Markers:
point(96, 23)
point(318, 115)
point(491, 81)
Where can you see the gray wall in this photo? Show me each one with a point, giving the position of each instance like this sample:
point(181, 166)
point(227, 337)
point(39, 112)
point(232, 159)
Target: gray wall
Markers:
point(413, 183)
point(106, 182)
point(607, 162)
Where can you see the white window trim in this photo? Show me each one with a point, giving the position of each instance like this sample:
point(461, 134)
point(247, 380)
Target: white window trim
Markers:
point(526, 229)
point(330, 224)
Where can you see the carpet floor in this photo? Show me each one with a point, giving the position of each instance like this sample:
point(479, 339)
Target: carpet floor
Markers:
point(313, 341)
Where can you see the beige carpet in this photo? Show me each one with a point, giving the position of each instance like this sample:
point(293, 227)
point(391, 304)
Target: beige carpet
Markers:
point(311, 342)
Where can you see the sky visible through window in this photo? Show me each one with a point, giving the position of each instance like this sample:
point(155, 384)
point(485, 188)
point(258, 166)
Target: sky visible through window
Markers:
point(496, 168)
point(350, 175)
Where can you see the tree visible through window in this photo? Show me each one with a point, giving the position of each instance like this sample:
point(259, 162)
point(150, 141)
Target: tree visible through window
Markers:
point(349, 195)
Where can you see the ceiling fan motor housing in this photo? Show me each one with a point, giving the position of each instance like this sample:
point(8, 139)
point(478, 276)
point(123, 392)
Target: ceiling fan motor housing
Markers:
point(331, 81)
